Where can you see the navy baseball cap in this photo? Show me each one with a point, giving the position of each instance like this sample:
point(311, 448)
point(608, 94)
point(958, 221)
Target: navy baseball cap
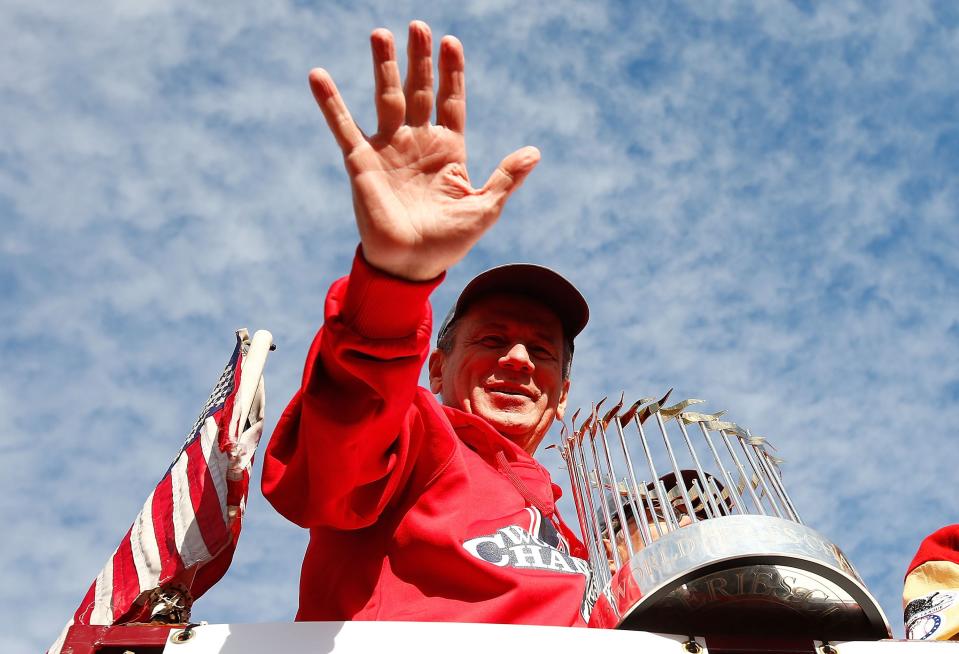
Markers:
point(537, 282)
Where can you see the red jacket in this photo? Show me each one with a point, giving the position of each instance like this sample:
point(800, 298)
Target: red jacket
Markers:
point(416, 511)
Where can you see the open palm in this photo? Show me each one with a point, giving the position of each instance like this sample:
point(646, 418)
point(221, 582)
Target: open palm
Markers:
point(416, 210)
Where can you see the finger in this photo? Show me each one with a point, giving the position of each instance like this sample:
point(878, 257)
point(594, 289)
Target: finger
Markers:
point(390, 102)
point(419, 74)
point(338, 117)
point(510, 174)
point(451, 102)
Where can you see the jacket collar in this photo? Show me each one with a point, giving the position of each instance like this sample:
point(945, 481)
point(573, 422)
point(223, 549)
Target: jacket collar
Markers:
point(500, 452)
point(483, 439)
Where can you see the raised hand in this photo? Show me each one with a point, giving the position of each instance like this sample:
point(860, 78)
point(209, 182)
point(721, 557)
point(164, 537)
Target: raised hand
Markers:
point(416, 210)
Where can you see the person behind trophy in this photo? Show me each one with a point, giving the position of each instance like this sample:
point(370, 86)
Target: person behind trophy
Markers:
point(656, 520)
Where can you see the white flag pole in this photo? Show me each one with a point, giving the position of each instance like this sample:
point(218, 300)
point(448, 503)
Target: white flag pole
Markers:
point(249, 403)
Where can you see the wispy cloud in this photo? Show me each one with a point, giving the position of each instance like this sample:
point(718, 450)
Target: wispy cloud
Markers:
point(758, 199)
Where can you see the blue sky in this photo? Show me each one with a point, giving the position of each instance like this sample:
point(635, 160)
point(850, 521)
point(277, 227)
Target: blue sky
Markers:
point(758, 199)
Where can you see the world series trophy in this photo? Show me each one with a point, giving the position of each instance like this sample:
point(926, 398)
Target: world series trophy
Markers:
point(690, 531)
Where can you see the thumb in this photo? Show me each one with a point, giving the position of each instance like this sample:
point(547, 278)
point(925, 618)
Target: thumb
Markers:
point(510, 173)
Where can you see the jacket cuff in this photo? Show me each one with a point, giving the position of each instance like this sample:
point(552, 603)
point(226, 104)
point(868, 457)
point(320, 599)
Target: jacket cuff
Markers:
point(382, 306)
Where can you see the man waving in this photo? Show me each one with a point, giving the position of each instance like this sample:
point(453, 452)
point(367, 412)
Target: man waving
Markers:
point(420, 509)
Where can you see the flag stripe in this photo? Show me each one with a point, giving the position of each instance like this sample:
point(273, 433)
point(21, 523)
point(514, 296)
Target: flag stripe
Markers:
point(143, 547)
point(189, 543)
point(217, 460)
point(163, 528)
point(103, 598)
point(126, 584)
point(209, 515)
point(82, 616)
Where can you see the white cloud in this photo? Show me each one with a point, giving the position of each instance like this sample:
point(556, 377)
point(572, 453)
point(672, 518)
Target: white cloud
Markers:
point(757, 200)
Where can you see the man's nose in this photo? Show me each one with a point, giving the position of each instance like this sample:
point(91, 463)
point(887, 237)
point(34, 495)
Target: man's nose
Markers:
point(517, 358)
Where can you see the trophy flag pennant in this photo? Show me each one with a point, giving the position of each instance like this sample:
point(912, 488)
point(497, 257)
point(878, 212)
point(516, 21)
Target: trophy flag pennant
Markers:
point(183, 539)
point(930, 595)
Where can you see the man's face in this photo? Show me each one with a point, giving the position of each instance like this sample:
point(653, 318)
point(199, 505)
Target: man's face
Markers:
point(506, 366)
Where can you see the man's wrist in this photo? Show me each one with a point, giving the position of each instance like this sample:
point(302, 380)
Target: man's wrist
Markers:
point(379, 304)
point(410, 273)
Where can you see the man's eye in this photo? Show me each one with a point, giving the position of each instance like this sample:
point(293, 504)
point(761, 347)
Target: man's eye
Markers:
point(542, 352)
point(492, 341)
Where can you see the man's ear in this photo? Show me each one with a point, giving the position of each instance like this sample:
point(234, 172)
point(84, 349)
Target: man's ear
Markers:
point(437, 359)
point(563, 396)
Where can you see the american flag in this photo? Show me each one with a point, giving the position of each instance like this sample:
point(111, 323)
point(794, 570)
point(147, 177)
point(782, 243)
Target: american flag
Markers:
point(187, 530)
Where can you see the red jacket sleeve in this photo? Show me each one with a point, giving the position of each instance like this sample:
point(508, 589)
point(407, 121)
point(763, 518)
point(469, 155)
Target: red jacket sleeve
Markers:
point(349, 437)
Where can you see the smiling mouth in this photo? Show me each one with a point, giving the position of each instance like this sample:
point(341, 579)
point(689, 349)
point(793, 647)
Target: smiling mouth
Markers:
point(509, 390)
